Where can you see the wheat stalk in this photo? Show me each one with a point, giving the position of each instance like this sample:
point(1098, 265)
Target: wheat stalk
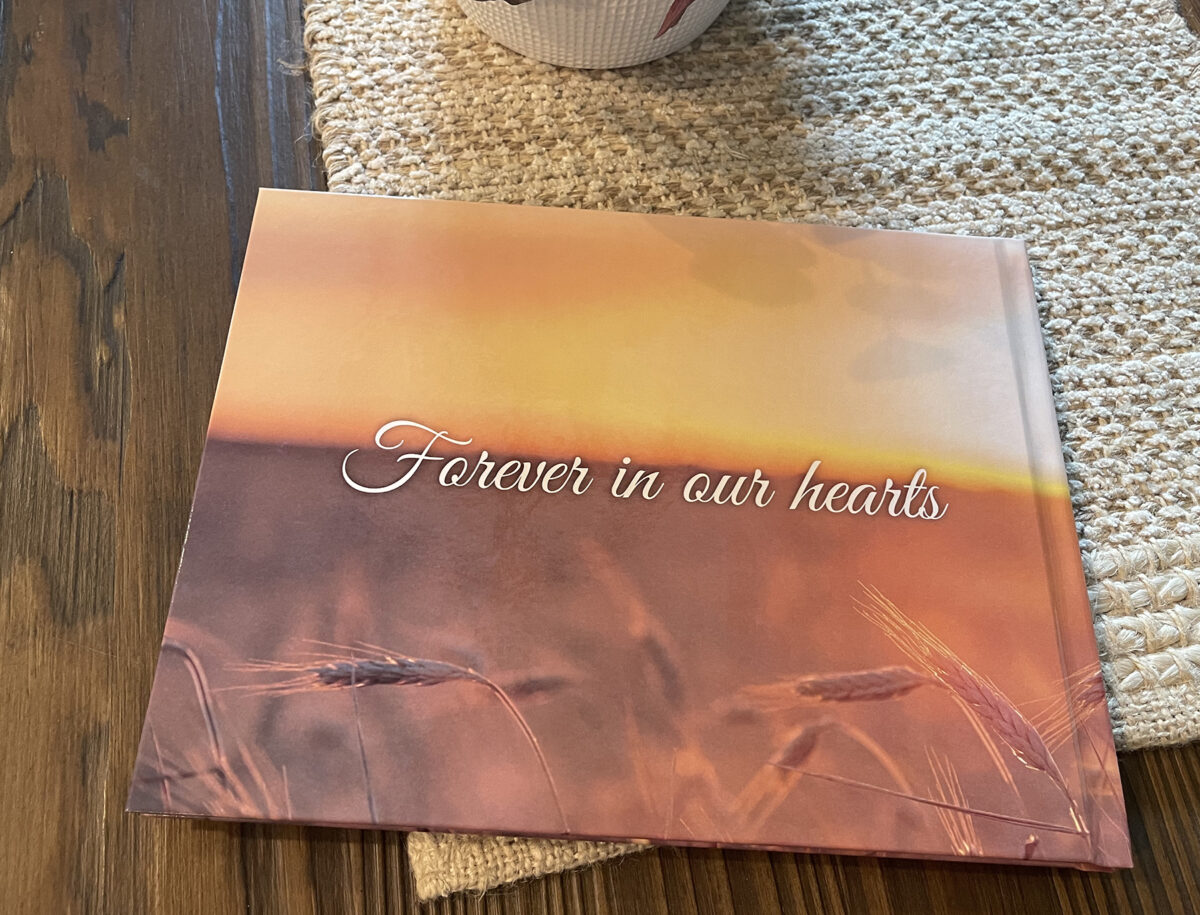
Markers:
point(977, 695)
point(945, 805)
point(776, 780)
point(204, 700)
point(536, 686)
point(852, 686)
point(216, 788)
point(1057, 720)
point(694, 778)
point(638, 757)
point(1084, 687)
point(771, 784)
point(362, 754)
point(402, 670)
point(196, 787)
point(652, 637)
point(882, 756)
point(855, 686)
point(959, 826)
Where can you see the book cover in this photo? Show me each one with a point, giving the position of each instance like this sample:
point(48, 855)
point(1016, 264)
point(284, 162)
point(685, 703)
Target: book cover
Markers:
point(545, 522)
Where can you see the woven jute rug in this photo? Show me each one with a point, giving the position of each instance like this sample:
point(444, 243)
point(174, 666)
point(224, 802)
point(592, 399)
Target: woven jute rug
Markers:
point(1071, 123)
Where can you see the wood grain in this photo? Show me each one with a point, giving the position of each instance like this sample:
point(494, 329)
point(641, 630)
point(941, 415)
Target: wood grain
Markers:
point(132, 143)
point(1190, 11)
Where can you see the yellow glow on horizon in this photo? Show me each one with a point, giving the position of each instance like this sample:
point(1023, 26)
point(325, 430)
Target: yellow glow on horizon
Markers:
point(684, 342)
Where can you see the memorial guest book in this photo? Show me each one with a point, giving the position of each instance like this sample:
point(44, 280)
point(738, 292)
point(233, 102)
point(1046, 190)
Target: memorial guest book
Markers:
point(545, 522)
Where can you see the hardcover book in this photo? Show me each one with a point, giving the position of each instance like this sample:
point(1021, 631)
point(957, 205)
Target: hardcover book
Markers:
point(533, 521)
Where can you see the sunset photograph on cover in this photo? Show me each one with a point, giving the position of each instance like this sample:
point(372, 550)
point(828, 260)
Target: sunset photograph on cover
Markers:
point(533, 521)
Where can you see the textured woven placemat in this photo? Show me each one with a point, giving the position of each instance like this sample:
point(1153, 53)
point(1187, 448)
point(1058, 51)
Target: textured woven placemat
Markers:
point(1070, 123)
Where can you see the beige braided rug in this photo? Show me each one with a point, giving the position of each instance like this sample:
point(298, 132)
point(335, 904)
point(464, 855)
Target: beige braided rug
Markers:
point(1071, 123)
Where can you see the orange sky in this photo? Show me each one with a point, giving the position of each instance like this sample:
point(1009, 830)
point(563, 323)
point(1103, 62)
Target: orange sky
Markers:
point(713, 342)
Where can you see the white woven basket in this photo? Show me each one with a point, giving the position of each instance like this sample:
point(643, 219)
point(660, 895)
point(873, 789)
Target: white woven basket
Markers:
point(591, 34)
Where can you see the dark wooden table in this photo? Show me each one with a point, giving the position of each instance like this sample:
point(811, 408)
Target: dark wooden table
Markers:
point(134, 138)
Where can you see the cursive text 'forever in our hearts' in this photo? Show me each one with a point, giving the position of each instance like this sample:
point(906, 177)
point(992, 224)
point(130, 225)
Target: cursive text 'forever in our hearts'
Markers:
point(916, 499)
